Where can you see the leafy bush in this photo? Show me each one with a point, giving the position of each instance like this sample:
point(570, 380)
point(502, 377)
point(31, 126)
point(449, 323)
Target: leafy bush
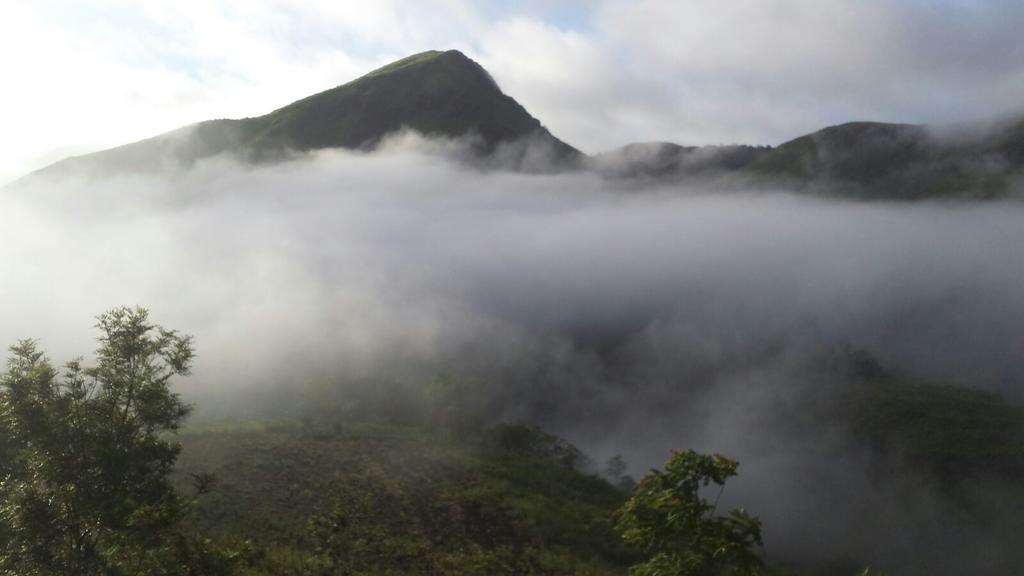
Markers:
point(679, 530)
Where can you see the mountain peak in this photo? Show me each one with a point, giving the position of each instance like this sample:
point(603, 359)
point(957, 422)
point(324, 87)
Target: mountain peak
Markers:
point(436, 93)
point(429, 58)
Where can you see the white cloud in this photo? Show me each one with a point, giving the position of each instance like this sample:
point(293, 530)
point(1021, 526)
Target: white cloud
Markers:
point(769, 70)
point(562, 76)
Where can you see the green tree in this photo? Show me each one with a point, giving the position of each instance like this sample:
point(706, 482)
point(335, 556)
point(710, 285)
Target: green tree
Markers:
point(668, 519)
point(85, 458)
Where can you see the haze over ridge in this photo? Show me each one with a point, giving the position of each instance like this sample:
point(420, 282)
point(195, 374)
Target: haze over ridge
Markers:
point(631, 323)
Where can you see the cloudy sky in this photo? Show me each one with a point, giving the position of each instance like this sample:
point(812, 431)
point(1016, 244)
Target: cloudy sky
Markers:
point(80, 76)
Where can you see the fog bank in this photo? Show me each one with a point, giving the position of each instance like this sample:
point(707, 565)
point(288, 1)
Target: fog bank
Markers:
point(631, 321)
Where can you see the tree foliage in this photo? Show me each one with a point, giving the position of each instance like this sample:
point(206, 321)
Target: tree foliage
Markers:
point(85, 457)
point(678, 529)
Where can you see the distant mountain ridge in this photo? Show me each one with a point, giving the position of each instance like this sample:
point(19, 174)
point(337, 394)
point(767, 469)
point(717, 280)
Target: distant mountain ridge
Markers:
point(447, 94)
point(897, 161)
point(866, 160)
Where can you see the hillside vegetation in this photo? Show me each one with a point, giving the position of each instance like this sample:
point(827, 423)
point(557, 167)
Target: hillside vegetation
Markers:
point(99, 478)
point(373, 498)
point(955, 432)
point(386, 497)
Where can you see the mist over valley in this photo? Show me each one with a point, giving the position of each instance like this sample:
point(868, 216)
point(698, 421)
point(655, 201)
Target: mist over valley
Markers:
point(431, 336)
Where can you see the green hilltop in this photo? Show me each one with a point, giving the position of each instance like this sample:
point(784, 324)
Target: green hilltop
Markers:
point(434, 93)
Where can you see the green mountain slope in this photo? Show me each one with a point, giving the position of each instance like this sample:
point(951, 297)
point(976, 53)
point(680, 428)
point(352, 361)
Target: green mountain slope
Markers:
point(955, 432)
point(896, 161)
point(375, 496)
point(435, 93)
point(383, 499)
